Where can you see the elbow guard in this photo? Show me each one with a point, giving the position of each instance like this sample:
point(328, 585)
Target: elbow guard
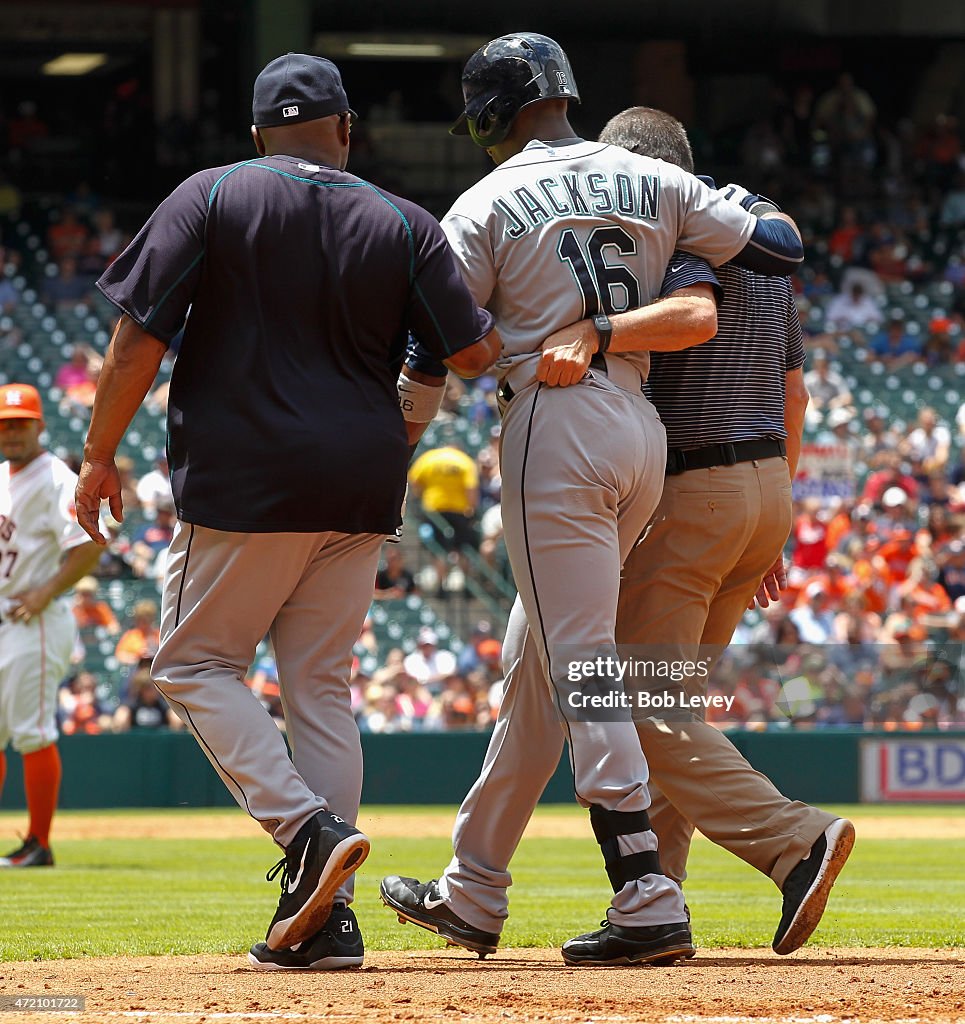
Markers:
point(773, 249)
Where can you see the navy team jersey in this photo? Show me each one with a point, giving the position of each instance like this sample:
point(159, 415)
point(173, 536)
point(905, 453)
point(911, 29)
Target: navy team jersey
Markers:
point(296, 286)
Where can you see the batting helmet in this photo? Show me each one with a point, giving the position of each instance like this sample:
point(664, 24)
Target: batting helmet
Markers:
point(504, 76)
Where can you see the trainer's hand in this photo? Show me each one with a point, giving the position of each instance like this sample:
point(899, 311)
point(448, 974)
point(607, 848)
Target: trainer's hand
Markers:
point(775, 580)
point(567, 354)
point(97, 480)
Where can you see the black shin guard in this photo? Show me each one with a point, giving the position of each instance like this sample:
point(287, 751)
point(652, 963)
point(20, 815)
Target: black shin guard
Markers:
point(620, 868)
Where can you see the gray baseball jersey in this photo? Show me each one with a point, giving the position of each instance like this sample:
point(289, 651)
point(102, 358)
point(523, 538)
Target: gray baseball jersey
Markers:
point(560, 232)
point(557, 233)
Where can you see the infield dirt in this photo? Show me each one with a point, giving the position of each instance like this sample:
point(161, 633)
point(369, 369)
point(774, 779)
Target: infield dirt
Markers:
point(717, 987)
point(548, 824)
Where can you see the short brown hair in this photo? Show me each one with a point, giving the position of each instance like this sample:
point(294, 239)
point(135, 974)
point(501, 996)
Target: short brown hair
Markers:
point(144, 608)
point(650, 132)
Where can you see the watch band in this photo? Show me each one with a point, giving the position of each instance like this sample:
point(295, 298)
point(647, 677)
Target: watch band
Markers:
point(605, 331)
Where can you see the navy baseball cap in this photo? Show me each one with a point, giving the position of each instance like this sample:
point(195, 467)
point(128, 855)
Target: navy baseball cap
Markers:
point(297, 87)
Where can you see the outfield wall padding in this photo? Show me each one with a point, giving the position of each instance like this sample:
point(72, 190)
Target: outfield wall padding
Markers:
point(167, 769)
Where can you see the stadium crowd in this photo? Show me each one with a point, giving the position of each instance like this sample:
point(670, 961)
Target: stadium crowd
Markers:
point(869, 632)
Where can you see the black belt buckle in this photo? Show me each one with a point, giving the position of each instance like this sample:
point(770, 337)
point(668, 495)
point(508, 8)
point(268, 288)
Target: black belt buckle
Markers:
point(728, 455)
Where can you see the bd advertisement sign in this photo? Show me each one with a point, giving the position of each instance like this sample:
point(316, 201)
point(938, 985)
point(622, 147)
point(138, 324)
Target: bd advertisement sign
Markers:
point(927, 769)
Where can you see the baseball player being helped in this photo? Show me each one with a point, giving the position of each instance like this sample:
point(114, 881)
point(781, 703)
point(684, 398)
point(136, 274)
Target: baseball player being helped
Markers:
point(43, 553)
point(733, 409)
point(288, 454)
point(562, 231)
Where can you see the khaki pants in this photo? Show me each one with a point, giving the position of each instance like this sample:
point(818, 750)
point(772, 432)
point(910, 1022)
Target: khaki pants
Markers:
point(685, 587)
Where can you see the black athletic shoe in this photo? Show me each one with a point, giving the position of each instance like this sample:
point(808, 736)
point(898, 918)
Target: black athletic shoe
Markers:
point(809, 884)
point(339, 944)
point(421, 903)
point(672, 958)
point(614, 944)
point(326, 851)
point(30, 854)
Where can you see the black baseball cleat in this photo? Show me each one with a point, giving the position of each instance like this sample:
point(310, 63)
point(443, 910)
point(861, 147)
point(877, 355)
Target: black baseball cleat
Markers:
point(422, 904)
point(615, 944)
point(339, 944)
point(30, 854)
point(808, 886)
point(326, 851)
point(672, 958)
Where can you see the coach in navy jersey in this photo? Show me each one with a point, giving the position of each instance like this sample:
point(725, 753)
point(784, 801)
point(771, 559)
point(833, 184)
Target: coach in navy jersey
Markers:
point(297, 285)
point(734, 411)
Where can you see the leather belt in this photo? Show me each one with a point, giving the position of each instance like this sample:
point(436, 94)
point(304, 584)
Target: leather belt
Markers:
point(505, 392)
point(680, 460)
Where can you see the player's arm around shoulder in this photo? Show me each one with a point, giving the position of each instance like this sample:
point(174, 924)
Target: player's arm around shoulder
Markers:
point(775, 247)
point(733, 224)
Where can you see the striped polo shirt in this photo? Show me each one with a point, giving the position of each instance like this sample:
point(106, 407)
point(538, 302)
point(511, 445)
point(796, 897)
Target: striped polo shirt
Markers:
point(732, 387)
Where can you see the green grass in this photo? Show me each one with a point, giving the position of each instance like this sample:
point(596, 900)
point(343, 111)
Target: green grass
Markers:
point(158, 896)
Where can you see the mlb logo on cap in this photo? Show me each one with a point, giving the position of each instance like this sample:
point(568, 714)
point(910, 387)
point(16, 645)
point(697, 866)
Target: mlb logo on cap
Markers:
point(297, 87)
point(21, 402)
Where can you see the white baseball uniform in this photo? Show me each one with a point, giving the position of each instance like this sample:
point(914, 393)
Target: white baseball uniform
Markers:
point(37, 526)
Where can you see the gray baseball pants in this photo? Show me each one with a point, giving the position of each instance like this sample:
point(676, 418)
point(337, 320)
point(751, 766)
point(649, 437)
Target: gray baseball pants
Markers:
point(223, 593)
point(582, 470)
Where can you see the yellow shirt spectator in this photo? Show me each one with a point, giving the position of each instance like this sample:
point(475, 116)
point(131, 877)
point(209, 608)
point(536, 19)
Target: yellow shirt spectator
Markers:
point(446, 480)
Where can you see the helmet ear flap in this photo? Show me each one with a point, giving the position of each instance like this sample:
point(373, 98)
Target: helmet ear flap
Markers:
point(491, 124)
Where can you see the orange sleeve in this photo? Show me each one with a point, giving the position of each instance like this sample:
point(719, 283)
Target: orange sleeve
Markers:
point(129, 647)
point(837, 528)
point(105, 616)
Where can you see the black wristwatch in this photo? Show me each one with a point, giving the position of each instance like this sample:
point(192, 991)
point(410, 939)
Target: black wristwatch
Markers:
point(604, 329)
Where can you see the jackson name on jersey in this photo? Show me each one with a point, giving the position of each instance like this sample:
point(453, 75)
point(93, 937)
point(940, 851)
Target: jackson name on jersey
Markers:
point(573, 195)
